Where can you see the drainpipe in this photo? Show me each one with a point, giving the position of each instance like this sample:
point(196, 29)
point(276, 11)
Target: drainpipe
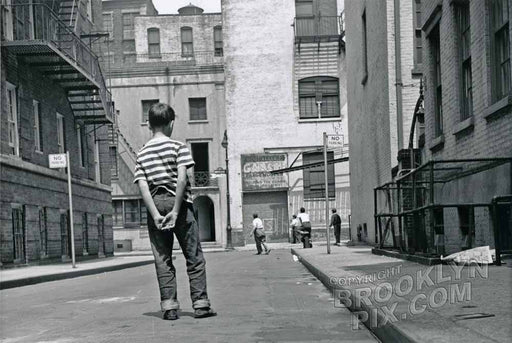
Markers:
point(398, 75)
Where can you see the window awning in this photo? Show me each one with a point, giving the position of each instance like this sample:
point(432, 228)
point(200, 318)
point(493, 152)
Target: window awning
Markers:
point(309, 165)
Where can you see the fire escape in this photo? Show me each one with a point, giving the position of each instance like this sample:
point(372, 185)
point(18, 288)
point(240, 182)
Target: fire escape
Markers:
point(51, 43)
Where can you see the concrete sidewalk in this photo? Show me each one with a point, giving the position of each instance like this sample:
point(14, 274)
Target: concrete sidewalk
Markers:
point(404, 301)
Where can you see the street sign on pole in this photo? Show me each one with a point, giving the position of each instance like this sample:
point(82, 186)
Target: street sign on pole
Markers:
point(62, 161)
point(335, 141)
point(326, 188)
point(57, 161)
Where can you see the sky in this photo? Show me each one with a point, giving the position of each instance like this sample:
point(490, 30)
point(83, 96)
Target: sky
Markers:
point(209, 6)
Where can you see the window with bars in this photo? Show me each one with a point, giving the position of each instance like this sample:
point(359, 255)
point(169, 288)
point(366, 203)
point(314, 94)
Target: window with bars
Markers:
point(187, 42)
point(500, 42)
point(131, 212)
point(435, 51)
point(418, 45)
point(467, 225)
point(466, 80)
point(314, 178)
point(197, 107)
point(146, 104)
point(319, 97)
point(61, 139)
point(38, 126)
point(85, 233)
point(117, 216)
point(43, 231)
point(154, 43)
point(82, 145)
point(143, 214)
point(64, 234)
point(217, 41)
point(19, 229)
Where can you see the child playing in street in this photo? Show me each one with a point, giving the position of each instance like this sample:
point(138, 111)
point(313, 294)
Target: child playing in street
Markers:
point(161, 174)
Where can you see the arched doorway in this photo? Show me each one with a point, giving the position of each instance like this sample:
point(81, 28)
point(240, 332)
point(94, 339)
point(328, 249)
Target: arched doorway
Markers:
point(203, 206)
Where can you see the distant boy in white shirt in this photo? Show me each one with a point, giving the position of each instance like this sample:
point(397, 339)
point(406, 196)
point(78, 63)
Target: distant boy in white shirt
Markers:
point(259, 234)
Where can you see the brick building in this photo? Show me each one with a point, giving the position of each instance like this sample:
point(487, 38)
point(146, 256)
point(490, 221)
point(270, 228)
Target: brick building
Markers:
point(176, 59)
point(54, 100)
point(285, 72)
point(383, 78)
point(468, 119)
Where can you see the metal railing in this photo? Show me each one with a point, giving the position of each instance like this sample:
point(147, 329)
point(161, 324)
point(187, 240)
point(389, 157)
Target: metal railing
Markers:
point(319, 26)
point(38, 23)
point(177, 58)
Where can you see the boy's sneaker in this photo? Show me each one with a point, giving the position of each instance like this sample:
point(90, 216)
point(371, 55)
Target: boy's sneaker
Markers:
point(204, 312)
point(171, 315)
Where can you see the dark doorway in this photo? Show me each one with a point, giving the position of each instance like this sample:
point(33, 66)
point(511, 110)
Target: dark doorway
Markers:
point(203, 206)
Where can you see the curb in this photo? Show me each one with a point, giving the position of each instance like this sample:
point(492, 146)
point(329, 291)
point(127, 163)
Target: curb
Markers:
point(386, 333)
point(428, 261)
point(32, 280)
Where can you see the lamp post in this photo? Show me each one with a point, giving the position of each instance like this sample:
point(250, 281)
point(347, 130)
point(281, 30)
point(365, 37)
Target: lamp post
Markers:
point(229, 243)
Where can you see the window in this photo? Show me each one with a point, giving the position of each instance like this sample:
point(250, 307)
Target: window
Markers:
point(117, 216)
point(114, 170)
point(217, 41)
point(64, 234)
point(43, 231)
point(154, 43)
point(61, 141)
point(38, 129)
point(500, 43)
point(82, 146)
point(438, 229)
point(18, 231)
point(108, 24)
point(319, 97)
point(128, 25)
point(97, 168)
point(314, 182)
point(197, 107)
point(7, 28)
point(143, 214)
point(101, 235)
point(303, 8)
point(364, 49)
point(12, 119)
point(146, 104)
point(418, 45)
point(435, 50)
point(85, 234)
point(464, 39)
point(131, 212)
point(187, 45)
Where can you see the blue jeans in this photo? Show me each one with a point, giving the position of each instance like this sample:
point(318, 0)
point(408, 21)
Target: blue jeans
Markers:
point(187, 233)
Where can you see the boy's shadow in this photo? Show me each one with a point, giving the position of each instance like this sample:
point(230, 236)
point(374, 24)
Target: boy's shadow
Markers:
point(159, 314)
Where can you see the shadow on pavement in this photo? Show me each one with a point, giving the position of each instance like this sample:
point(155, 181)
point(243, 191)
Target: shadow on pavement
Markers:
point(159, 314)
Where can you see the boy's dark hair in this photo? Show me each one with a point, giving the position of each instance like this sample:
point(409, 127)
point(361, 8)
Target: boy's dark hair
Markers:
point(294, 216)
point(255, 215)
point(333, 210)
point(302, 210)
point(160, 115)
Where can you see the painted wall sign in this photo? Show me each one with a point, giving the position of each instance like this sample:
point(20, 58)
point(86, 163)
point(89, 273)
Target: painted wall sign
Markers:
point(256, 171)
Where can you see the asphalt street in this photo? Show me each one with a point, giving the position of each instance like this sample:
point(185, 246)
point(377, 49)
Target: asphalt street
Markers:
point(258, 299)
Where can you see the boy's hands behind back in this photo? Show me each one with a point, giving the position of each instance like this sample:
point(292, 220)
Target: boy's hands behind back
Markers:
point(169, 221)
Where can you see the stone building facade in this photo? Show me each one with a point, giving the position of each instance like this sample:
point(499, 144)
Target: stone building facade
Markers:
point(176, 59)
point(383, 79)
point(285, 72)
point(54, 100)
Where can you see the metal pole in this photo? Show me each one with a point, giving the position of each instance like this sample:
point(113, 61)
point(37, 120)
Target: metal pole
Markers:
point(326, 185)
point(71, 211)
point(229, 243)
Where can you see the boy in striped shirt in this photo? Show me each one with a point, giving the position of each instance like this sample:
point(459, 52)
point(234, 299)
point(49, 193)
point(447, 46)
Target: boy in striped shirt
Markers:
point(161, 173)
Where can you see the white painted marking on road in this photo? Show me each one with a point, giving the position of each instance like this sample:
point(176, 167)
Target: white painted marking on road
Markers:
point(78, 301)
point(102, 301)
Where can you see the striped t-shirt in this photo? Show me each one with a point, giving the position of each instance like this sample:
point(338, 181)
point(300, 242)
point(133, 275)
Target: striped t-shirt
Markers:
point(158, 162)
